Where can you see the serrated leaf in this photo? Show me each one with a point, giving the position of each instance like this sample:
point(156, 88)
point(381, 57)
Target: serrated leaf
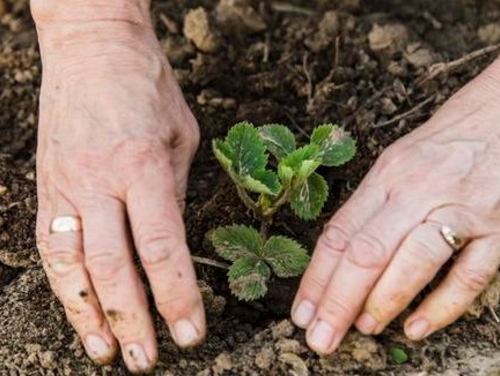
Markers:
point(262, 181)
point(303, 162)
point(286, 257)
point(337, 147)
point(248, 277)
point(279, 140)
point(247, 148)
point(235, 242)
point(308, 199)
point(223, 154)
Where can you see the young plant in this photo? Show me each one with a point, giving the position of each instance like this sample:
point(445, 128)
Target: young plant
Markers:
point(244, 155)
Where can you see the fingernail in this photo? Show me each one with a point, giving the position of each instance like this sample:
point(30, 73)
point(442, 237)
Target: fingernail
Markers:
point(97, 347)
point(418, 329)
point(321, 336)
point(136, 357)
point(303, 314)
point(366, 323)
point(185, 333)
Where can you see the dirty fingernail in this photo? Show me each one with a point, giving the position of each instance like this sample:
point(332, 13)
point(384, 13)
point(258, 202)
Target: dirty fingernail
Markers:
point(321, 336)
point(418, 329)
point(97, 347)
point(136, 358)
point(185, 333)
point(303, 314)
point(366, 323)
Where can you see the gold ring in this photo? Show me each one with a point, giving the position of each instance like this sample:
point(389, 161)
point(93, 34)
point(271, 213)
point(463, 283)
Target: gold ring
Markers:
point(451, 237)
point(66, 223)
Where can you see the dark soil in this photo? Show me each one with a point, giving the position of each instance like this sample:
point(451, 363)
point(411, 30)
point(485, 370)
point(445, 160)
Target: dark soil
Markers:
point(281, 63)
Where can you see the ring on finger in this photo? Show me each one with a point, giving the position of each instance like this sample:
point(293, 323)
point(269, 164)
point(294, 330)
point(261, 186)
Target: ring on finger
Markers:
point(66, 223)
point(451, 237)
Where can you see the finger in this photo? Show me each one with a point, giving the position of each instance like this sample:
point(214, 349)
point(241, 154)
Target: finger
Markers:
point(360, 208)
point(63, 261)
point(159, 237)
point(469, 276)
point(184, 148)
point(108, 256)
point(415, 264)
point(367, 255)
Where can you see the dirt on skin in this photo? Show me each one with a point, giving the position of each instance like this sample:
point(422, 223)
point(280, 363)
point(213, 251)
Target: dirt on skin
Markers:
point(356, 62)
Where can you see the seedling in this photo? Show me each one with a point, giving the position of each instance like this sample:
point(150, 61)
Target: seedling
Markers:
point(244, 155)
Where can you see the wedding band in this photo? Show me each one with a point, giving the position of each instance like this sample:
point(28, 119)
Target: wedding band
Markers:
point(66, 223)
point(451, 237)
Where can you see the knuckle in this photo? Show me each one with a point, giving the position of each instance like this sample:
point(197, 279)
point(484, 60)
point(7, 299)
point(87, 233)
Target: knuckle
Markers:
point(367, 251)
point(314, 283)
point(157, 246)
point(176, 305)
point(335, 235)
point(62, 259)
point(472, 279)
point(335, 306)
point(105, 266)
point(141, 153)
point(420, 251)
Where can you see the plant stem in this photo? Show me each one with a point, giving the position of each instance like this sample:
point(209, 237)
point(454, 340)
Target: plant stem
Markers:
point(210, 262)
point(247, 200)
point(282, 200)
point(264, 226)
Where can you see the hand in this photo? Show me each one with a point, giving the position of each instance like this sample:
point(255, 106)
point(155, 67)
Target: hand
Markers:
point(384, 245)
point(116, 140)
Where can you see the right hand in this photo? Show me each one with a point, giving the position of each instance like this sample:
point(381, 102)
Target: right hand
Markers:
point(116, 140)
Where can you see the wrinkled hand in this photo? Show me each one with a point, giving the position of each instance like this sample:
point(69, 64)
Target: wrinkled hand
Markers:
point(384, 245)
point(116, 140)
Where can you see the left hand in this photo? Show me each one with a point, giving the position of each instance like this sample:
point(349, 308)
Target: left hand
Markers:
point(384, 245)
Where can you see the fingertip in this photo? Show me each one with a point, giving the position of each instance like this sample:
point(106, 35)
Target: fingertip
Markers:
point(102, 349)
point(189, 330)
point(417, 328)
point(303, 313)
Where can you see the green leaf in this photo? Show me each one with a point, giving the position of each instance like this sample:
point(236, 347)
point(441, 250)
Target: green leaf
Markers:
point(279, 140)
point(286, 256)
point(223, 154)
point(398, 356)
point(248, 277)
point(285, 174)
point(262, 181)
point(235, 242)
point(303, 162)
point(336, 145)
point(247, 149)
point(308, 199)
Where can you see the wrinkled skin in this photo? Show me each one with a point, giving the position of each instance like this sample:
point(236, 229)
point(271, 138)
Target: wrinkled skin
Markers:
point(116, 140)
point(384, 245)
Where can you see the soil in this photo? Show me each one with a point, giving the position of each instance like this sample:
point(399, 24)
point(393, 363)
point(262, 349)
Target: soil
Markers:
point(356, 62)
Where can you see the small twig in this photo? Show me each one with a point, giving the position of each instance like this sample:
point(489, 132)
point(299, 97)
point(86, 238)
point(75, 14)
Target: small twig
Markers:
point(296, 126)
point(265, 57)
point(438, 69)
point(170, 24)
point(337, 53)
point(290, 8)
point(210, 262)
point(406, 114)
point(494, 314)
point(310, 87)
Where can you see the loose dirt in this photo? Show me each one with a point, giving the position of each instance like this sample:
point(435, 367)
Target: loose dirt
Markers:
point(355, 62)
